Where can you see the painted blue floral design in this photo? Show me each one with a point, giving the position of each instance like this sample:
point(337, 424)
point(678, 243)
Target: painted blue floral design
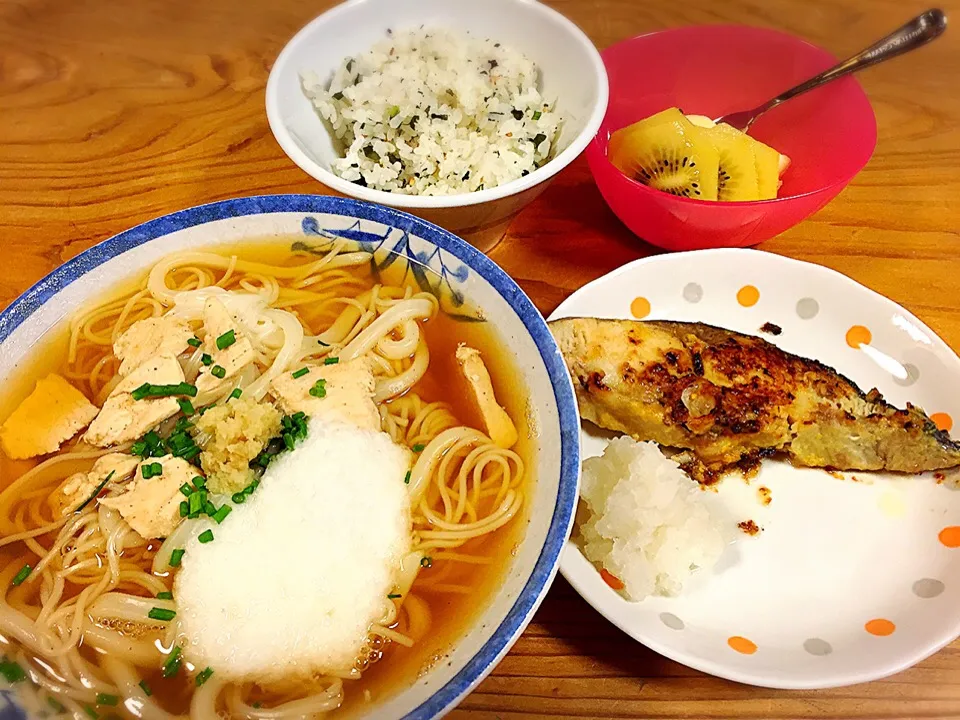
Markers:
point(395, 249)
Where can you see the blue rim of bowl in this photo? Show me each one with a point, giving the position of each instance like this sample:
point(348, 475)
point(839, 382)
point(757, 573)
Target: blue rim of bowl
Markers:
point(547, 563)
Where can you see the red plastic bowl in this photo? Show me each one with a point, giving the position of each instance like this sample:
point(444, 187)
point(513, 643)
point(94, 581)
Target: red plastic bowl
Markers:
point(829, 133)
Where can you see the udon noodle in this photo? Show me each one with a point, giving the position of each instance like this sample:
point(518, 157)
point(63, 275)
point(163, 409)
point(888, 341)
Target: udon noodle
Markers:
point(75, 625)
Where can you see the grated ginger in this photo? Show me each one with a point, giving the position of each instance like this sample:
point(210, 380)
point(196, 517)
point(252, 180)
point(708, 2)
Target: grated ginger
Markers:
point(231, 435)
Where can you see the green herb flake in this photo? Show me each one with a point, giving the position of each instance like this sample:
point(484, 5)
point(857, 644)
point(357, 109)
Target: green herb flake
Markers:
point(21, 576)
point(186, 490)
point(105, 699)
point(96, 492)
point(235, 395)
point(536, 114)
point(419, 447)
point(158, 391)
point(186, 407)
point(331, 360)
point(176, 556)
point(206, 359)
point(172, 665)
point(161, 614)
point(394, 596)
point(184, 508)
point(226, 340)
point(406, 478)
point(146, 688)
point(238, 497)
point(319, 389)
point(218, 371)
point(194, 342)
point(220, 515)
point(203, 676)
point(11, 671)
point(205, 537)
point(151, 470)
point(165, 595)
point(91, 712)
point(297, 374)
point(199, 482)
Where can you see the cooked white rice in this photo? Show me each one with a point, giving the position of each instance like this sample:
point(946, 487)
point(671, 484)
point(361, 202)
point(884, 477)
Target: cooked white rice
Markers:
point(645, 521)
point(436, 112)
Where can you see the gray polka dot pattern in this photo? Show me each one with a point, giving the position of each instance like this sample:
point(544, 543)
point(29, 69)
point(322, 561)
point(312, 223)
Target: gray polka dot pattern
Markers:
point(927, 588)
point(672, 621)
point(692, 293)
point(807, 308)
point(816, 646)
point(913, 374)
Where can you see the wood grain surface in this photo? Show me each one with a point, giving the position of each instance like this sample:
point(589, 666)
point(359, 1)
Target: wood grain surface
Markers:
point(112, 113)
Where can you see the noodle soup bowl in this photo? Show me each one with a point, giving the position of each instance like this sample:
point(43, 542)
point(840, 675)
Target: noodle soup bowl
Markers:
point(468, 286)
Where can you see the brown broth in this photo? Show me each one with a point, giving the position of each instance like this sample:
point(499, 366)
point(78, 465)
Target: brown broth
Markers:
point(452, 614)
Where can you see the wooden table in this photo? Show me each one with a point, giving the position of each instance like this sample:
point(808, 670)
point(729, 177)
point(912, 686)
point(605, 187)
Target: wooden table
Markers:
point(112, 113)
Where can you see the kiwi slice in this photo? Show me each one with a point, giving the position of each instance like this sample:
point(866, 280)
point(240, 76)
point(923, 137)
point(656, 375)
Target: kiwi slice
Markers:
point(737, 174)
point(667, 152)
point(768, 169)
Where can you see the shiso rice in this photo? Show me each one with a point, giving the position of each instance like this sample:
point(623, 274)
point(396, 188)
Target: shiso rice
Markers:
point(436, 112)
point(645, 521)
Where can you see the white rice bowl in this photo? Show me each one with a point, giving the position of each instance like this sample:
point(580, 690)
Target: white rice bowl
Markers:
point(436, 112)
point(645, 521)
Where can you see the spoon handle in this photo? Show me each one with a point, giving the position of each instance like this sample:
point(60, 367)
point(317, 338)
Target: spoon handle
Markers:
point(919, 31)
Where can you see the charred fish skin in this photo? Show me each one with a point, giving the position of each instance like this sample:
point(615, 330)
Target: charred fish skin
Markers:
point(730, 397)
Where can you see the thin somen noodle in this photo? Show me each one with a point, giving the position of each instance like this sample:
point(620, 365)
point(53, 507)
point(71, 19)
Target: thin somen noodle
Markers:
point(80, 623)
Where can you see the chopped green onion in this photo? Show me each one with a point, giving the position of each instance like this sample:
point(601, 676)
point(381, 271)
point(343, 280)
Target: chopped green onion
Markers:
point(21, 576)
point(90, 711)
point(176, 556)
point(150, 445)
point(419, 447)
point(186, 490)
point(393, 111)
point(288, 440)
point(393, 596)
point(184, 508)
point(96, 492)
point(426, 562)
point(186, 407)
point(149, 470)
point(195, 503)
point(166, 595)
point(104, 699)
point(199, 482)
point(257, 705)
point(194, 342)
point(536, 114)
point(141, 392)
point(203, 676)
point(146, 688)
point(406, 478)
point(238, 497)
point(172, 665)
point(12, 672)
point(539, 138)
point(206, 359)
point(221, 514)
point(300, 373)
point(237, 392)
point(157, 391)
point(218, 372)
point(331, 360)
point(205, 537)
point(161, 614)
point(319, 388)
point(226, 340)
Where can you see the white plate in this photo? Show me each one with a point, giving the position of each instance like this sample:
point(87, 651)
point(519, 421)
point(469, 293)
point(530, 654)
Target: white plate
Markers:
point(849, 581)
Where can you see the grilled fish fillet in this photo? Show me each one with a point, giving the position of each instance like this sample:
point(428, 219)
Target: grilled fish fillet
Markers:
point(730, 397)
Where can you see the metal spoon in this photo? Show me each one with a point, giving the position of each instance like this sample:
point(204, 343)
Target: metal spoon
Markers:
point(919, 31)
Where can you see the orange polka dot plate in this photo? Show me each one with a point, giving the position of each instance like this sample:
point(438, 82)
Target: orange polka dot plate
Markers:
point(853, 576)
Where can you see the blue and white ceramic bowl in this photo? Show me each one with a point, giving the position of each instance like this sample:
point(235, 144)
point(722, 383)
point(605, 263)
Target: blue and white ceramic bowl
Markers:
point(460, 271)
